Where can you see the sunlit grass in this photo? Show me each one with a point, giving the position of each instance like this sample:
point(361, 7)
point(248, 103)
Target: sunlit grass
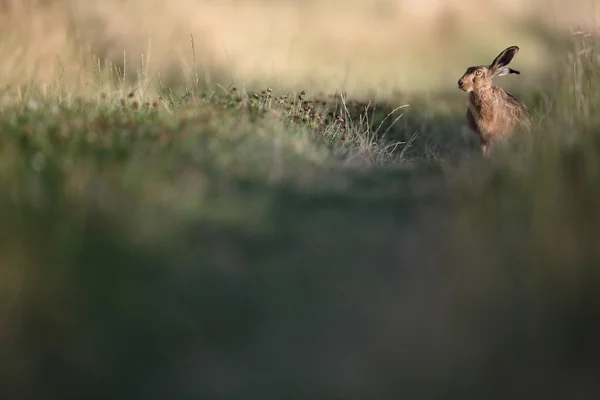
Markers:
point(359, 46)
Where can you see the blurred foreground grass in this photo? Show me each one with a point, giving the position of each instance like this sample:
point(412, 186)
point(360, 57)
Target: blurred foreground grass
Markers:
point(219, 244)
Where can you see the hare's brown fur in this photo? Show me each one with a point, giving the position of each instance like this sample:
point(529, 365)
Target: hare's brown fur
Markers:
point(492, 112)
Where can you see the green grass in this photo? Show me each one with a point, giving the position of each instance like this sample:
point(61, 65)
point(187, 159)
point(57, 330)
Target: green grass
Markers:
point(220, 245)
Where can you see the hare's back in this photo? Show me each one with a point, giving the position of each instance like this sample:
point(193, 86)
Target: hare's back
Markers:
point(512, 107)
point(514, 102)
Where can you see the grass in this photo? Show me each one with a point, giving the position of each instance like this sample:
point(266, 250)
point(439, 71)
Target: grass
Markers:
point(279, 42)
point(220, 243)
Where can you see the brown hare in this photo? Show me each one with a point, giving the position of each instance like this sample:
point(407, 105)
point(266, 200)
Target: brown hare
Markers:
point(492, 112)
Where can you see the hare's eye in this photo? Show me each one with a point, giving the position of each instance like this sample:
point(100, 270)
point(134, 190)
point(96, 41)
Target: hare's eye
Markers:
point(478, 72)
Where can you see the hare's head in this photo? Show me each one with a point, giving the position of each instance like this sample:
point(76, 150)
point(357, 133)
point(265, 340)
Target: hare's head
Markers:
point(480, 77)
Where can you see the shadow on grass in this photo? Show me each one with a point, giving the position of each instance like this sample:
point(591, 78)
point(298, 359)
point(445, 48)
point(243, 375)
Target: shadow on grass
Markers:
point(417, 128)
point(381, 287)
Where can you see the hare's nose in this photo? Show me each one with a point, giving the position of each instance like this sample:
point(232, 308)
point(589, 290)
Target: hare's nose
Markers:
point(460, 82)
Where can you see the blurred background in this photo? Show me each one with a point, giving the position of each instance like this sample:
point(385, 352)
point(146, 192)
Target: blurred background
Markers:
point(372, 47)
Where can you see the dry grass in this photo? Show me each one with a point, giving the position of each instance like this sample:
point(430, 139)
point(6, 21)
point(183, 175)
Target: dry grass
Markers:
point(361, 46)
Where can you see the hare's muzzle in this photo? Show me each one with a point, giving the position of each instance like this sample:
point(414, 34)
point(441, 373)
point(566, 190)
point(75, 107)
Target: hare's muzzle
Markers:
point(461, 85)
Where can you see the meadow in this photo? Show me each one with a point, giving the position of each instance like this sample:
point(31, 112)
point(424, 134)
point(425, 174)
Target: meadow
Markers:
point(200, 204)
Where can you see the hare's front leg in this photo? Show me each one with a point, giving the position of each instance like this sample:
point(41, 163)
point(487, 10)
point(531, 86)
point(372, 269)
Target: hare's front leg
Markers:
point(485, 148)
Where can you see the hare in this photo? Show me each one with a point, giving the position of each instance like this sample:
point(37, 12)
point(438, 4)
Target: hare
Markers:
point(492, 112)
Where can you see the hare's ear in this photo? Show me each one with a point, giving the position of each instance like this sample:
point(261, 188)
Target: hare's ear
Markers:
point(505, 71)
point(503, 59)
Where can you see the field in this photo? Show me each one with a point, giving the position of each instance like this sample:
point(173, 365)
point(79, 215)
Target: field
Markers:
point(200, 205)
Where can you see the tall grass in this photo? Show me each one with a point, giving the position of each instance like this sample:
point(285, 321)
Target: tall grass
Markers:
point(359, 46)
point(212, 241)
